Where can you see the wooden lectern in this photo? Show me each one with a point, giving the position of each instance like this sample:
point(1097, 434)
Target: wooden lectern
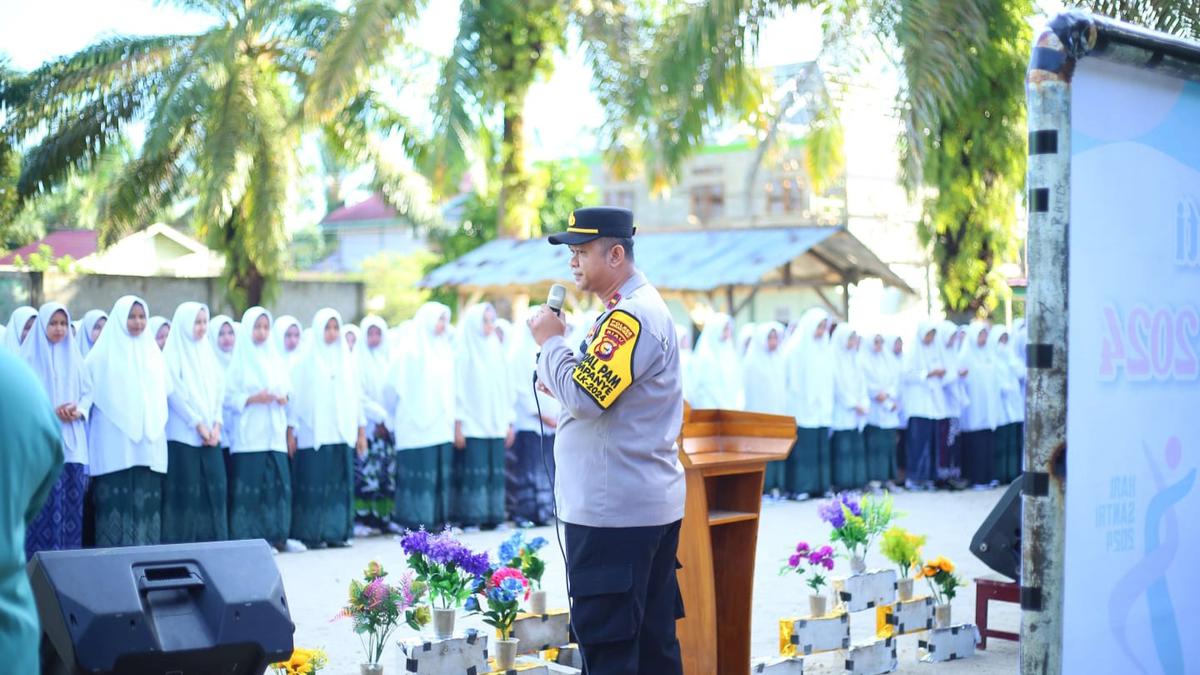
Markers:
point(724, 454)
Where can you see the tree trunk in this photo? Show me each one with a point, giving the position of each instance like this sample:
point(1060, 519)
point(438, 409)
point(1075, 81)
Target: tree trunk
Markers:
point(514, 215)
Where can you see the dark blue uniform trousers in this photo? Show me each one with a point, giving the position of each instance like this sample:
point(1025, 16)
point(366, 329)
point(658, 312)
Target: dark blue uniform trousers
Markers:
point(625, 598)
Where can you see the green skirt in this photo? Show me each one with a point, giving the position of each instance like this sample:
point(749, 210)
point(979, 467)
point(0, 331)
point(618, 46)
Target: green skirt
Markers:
point(128, 507)
point(775, 477)
point(323, 495)
point(1010, 448)
point(808, 470)
point(849, 460)
point(423, 487)
point(479, 484)
point(260, 496)
point(194, 495)
point(881, 453)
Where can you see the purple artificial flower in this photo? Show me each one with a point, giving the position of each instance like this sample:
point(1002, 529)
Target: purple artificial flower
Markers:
point(831, 512)
point(794, 560)
point(442, 550)
point(851, 502)
point(415, 542)
point(802, 548)
point(822, 557)
point(475, 564)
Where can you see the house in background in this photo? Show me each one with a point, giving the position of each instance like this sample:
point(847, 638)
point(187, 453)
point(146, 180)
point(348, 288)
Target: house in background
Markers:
point(158, 250)
point(363, 230)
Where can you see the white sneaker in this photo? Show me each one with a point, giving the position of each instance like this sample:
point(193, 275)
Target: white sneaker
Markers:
point(293, 546)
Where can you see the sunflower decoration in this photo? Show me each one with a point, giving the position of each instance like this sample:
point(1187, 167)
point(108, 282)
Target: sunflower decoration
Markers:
point(302, 662)
point(942, 581)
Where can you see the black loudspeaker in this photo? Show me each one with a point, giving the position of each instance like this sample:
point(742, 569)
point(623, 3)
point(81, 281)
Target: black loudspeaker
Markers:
point(216, 608)
point(998, 541)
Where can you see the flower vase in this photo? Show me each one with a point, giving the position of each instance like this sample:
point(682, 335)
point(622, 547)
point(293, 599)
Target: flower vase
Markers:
point(370, 669)
point(506, 653)
point(816, 604)
point(443, 622)
point(857, 564)
point(941, 614)
point(537, 602)
point(905, 588)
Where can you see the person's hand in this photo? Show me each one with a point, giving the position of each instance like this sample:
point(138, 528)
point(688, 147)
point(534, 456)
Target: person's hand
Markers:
point(205, 433)
point(291, 441)
point(360, 446)
point(510, 437)
point(281, 400)
point(381, 432)
point(545, 324)
point(215, 435)
point(460, 441)
point(550, 422)
point(937, 372)
point(861, 410)
point(544, 389)
point(962, 373)
point(881, 396)
point(62, 412)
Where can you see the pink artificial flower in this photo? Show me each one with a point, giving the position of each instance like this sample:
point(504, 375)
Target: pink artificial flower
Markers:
point(506, 572)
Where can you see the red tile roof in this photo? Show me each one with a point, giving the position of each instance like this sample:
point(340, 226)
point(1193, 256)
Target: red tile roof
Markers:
point(75, 243)
point(372, 208)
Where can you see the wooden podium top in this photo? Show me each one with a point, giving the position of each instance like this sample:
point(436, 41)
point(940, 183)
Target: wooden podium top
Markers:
point(712, 438)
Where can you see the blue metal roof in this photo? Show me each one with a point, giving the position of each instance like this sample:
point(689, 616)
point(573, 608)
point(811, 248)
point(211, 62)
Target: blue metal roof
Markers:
point(689, 260)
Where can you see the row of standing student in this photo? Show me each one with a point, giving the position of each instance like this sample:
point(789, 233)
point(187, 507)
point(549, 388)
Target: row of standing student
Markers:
point(948, 410)
point(143, 431)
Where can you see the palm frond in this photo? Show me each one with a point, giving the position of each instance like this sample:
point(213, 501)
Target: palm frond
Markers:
point(362, 40)
point(223, 159)
point(455, 110)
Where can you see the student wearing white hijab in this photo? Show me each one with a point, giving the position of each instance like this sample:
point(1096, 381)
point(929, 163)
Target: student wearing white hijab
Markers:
point(89, 330)
point(924, 403)
point(20, 323)
point(50, 351)
point(374, 491)
point(195, 491)
point(126, 383)
point(419, 394)
point(949, 459)
point(287, 334)
point(352, 335)
point(981, 415)
point(326, 414)
point(896, 346)
point(222, 333)
point(484, 417)
point(715, 379)
point(851, 405)
point(530, 460)
point(257, 386)
point(809, 364)
point(1010, 429)
point(881, 372)
point(160, 329)
point(765, 383)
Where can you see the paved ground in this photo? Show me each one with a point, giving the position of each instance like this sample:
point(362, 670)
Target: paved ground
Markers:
point(316, 582)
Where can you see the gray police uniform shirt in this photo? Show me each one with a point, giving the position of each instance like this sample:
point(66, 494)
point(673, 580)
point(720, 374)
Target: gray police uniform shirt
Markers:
point(617, 462)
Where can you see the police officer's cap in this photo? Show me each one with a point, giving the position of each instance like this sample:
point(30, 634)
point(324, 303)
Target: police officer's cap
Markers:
point(594, 222)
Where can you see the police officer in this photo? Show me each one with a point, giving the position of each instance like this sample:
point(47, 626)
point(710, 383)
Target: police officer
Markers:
point(619, 485)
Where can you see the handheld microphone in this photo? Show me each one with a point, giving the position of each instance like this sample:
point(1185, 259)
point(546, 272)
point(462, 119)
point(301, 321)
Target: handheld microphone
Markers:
point(556, 297)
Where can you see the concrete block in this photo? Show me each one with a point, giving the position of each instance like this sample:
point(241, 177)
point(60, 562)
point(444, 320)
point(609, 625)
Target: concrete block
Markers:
point(532, 665)
point(462, 654)
point(865, 591)
point(873, 658)
point(948, 644)
point(801, 637)
point(779, 665)
point(569, 655)
point(539, 632)
point(904, 618)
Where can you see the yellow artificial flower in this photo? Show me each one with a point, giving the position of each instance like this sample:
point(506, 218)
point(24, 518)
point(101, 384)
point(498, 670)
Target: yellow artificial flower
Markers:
point(947, 566)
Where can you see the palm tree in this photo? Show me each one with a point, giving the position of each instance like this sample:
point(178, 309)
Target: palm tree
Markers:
point(224, 118)
point(501, 49)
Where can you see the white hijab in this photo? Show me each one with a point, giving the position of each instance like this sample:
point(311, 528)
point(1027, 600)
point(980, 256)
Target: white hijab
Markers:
point(278, 333)
point(255, 367)
point(195, 372)
point(880, 369)
point(848, 377)
point(763, 372)
point(60, 368)
point(85, 330)
point(325, 385)
point(16, 324)
point(423, 367)
point(982, 384)
point(128, 376)
point(716, 372)
point(484, 393)
point(373, 364)
point(155, 324)
point(810, 369)
point(214, 338)
point(351, 329)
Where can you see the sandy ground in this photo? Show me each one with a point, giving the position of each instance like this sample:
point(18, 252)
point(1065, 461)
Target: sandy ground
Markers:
point(316, 583)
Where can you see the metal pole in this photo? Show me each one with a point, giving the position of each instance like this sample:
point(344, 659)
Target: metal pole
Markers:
point(1044, 482)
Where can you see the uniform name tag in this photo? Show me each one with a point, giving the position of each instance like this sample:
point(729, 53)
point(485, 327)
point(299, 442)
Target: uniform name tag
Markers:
point(606, 369)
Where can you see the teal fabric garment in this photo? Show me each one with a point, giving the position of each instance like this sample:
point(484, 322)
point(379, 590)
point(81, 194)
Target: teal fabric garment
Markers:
point(849, 460)
point(260, 496)
point(479, 483)
point(195, 495)
point(323, 495)
point(808, 469)
point(31, 460)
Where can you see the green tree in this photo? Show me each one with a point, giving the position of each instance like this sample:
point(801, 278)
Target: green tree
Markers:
point(391, 280)
point(945, 52)
point(1179, 17)
point(224, 113)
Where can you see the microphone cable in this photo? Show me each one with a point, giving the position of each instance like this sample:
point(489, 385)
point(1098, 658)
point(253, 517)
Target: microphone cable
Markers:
point(557, 532)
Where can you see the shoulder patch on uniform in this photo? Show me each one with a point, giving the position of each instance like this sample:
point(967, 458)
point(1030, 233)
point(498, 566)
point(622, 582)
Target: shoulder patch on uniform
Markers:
point(606, 370)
